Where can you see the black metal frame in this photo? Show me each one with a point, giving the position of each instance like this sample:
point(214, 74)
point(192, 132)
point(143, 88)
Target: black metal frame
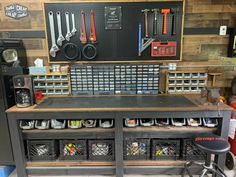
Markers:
point(119, 169)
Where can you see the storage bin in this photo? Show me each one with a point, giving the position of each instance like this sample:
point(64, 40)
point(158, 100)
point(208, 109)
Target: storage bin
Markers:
point(89, 123)
point(136, 149)
point(165, 149)
point(194, 122)
point(162, 121)
point(27, 124)
point(178, 122)
point(106, 123)
point(131, 122)
point(58, 124)
point(42, 124)
point(74, 124)
point(146, 122)
point(73, 150)
point(40, 150)
point(210, 122)
point(101, 150)
point(191, 151)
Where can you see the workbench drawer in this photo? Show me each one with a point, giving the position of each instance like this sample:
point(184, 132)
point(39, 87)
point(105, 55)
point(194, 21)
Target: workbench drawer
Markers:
point(191, 151)
point(137, 149)
point(39, 150)
point(73, 150)
point(101, 150)
point(165, 149)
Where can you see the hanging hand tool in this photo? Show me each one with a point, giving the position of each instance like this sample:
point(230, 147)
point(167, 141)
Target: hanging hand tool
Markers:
point(142, 43)
point(155, 11)
point(83, 35)
point(92, 37)
point(68, 34)
point(60, 38)
point(54, 47)
point(165, 12)
point(145, 12)
point(174, 11)
point(73, 31)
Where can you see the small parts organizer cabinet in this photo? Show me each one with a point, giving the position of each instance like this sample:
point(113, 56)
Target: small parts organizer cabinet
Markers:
point(159, 148)
point(52, 84)
point(182, 82)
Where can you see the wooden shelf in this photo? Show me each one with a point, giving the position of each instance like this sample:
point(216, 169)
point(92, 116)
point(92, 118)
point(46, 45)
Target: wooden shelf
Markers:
point(58, 163)
point(69, 133)
point(154, 163)
point(199, 78)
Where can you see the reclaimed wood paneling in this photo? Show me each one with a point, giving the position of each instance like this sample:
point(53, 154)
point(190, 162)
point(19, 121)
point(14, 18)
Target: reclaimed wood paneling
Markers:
point(198, 50)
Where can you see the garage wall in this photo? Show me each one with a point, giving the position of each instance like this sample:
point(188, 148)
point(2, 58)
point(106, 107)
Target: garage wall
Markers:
point(208, 51)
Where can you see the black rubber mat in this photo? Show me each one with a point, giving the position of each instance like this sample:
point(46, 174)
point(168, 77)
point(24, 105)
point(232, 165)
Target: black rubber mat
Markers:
point(115, 102)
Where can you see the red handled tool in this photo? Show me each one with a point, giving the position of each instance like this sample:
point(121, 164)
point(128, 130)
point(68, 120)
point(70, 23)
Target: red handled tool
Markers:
point(92, 37)
point(165, 12)
point(83, 37)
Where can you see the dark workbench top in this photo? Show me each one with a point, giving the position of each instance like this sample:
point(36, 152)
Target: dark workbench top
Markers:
point(120, 103)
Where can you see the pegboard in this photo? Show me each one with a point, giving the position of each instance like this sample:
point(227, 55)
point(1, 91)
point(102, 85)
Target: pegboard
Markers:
point(117, 44)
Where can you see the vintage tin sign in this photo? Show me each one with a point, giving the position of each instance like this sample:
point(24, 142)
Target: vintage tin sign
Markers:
point(16, 11)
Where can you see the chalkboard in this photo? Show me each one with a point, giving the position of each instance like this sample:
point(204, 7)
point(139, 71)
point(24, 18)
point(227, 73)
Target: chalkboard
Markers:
point(117, 44)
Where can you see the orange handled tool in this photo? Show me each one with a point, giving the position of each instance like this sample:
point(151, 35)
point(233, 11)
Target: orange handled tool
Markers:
point(83, 37)
point(165, 12)
point(92, 37)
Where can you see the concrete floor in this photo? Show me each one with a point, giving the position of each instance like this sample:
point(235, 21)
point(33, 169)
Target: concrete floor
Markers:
point(231, 173)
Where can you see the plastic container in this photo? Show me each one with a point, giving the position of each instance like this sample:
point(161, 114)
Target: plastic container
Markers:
point(42, 124)
point(136, 149)
point(146, 122)
point(101, 150)
point(106, 123)
point(73, 150)
point(58, 124)
point(89, 123)
point(39, 150)
point(162, 121)
point(178, 122)
point(131, 122)
point(74, 124)
point(27, 124)
point(210, 122)
point(194, 122)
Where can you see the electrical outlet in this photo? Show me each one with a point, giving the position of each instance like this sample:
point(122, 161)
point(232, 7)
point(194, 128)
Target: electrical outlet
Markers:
point(172, 66)
point(223, 30)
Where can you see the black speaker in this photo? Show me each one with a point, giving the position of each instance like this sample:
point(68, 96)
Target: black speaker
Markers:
point(13, 61)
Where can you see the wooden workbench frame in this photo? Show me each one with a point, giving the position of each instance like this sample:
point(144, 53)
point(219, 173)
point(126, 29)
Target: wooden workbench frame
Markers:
point(120, 167)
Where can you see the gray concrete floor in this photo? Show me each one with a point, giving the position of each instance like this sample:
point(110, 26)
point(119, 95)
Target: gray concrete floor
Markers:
point(231, 173)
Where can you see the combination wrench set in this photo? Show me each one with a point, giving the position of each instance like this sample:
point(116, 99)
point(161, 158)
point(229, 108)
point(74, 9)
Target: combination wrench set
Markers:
point(70, 49)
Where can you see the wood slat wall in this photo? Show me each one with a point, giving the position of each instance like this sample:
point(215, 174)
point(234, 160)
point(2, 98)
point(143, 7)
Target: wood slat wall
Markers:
point(198, 50)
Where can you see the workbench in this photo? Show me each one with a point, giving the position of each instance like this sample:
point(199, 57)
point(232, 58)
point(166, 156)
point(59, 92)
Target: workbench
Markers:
point(117, 108)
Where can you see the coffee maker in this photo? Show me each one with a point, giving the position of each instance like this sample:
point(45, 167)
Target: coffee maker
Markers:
point(24, 92)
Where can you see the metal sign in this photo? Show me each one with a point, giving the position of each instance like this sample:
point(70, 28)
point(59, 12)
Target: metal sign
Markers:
point(16, 11)
point(113, 15)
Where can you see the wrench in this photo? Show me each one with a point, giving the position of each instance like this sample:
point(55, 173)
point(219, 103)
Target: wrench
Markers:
point(54, 47)
point(68, 34)
point(60, 38)
point(73, 31)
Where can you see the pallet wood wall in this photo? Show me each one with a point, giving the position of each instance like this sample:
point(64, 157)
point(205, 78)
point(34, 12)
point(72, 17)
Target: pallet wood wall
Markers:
point(198, 50)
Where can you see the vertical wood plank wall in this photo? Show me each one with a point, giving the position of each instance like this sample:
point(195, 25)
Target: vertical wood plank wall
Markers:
point(198, 50)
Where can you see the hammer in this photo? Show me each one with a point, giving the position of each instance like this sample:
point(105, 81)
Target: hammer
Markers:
point(165, 12)
point(174, 11)
point(145, 11)
point(155, 11)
